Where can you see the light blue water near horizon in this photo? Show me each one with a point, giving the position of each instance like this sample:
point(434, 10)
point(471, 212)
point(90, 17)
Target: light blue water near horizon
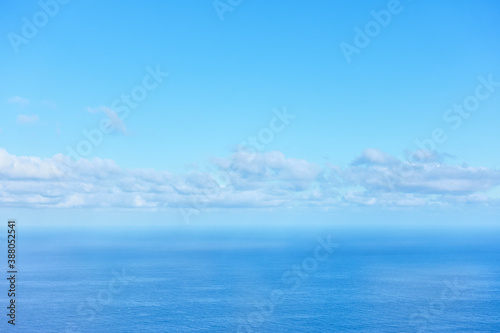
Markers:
point(190, 280)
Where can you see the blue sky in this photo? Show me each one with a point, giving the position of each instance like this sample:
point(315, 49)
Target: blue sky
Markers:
point(354, 121)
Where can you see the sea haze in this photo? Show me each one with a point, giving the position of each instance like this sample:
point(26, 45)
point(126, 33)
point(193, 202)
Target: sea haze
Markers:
point(258, 280)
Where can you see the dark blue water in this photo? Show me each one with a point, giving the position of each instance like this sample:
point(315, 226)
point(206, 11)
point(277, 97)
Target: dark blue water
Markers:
point(98, 280)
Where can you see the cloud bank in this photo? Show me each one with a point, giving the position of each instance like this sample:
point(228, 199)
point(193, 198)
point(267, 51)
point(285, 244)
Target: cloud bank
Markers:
point(245, 180)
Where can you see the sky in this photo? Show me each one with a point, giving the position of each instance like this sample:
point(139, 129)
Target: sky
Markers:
point(249, 106)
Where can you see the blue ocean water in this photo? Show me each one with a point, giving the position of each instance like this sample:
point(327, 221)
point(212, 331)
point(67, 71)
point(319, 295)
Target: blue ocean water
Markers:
point(251, 280)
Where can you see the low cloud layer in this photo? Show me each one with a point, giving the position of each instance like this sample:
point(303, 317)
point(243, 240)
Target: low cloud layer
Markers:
point(245, 180)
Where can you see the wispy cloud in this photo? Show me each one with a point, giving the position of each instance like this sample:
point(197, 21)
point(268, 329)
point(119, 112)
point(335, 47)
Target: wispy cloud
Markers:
point(49, 104)
point(18, 100)
point(113, 116)
point(27, 119)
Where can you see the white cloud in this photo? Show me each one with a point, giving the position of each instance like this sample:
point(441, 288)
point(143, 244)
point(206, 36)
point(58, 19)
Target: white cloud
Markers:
point(27, 119)
point(374, 156)
point(24, 167)
point(425, 178)
point(249, 170)
point(242, 180)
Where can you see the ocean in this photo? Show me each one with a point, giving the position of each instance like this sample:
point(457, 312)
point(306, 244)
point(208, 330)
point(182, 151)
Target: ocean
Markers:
point(256, 280)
